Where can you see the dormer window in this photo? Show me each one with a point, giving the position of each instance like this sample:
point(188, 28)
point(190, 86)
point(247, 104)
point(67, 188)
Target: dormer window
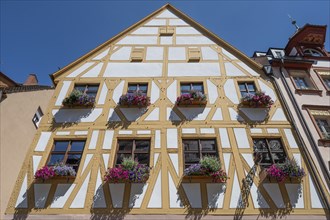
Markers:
point(312, 53)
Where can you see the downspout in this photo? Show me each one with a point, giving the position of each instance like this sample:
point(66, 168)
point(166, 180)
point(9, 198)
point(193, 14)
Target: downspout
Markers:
point(309, 160)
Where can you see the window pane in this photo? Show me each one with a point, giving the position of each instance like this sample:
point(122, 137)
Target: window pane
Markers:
point(260, 144)
point(198, 87)
point(189, 145)
point(73, 159)
point(208, 145)
point(251, 87)
point(125, 145)
point(327, 83)
point(61, 146)
point(92, 89)
point(185, 88)
point(142, 146)
point(77, 145)
point(142, 158)
point(242, 87)
point(275, 145)
point(55, 158)
point(243, 94)
point(266, 158)
point(279, 157)
point(80, 88)
point(191, 157)
point(143, 88)
point(210, 154)
point(121, 156)
point(132, 87)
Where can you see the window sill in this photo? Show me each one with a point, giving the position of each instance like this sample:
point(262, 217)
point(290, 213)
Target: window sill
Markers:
point(78, 106)
point(309, 91)
point(194, 179)
point(324, 141)
point(191, 103)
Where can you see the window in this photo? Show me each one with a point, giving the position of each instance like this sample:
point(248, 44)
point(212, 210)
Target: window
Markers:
point(187, 87)
point(246, 88)
point(300, 82)
point(194, 54)
point(323, 125)
point(37, 117)
point(67, 152)
point(90, 90)
point(195, 149)
point(271, 150)
point(327, 82)
point(166, 31)
point(137, 149)
point(325, 77)
point(135, 87)
point(137, 54)
point(312, 52)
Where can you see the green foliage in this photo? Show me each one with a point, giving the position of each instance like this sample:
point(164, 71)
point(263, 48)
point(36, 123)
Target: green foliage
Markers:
point(128, 163)
point(211, 163)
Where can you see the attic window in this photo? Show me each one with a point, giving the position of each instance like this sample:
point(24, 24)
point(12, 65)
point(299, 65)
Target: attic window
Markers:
point(312, 53)
point(194, 54)
point(166, 31)
point(37, 117)
point(137, 54)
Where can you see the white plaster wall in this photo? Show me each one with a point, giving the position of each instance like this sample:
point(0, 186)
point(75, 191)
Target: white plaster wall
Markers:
point(274, 191)
point(279, 115)
point(256, 130)
point(36, 161)
point(108, 139)
point(63, 92)
point(22, 200)
point(172, 137)
point(94, 72)
point(241, 138)
point(86, 162)
point(92, 143)
point(166, 14)
point(226, 158)
point(186, 30)
point(248, 69)
point(194, 69)
point(272, 131)
point(257, 198)
point(40, 195)
point(130, 40)
point(171, 92)
point(146, 30)
point(143, 132)
point(315, 198)
point(79, 200)
point(156, 155)
point(76, 115)
point(156, 196)
point(166, 40)
point(101, 55)
point(188, 130)
point(193, 40)
point(157, 139)
point(133, 70)
point(209, 53)
point(196, 114)
point(155, 53)
point(175, 161)
point(153, 116)
point(81, 69)
point(224, 138)
point(125, 132)
point(207, 131)
point(176, 53)
point(230, 91)
point(193, 192)
point(62, 133)
point(138, 191)
point(322, 64)
point(175, 201)
point(155, 92)
point(103, 94)
point(235, 193)
point(248, 158)
point(290, 138)
point(80, 132)
point(118, 92)
point(215, 195)
point(98, 198)
point(232, 70)
point(217, 115)
point(106, 160)
point(171, 115)
point(229, 55)
point(123, 53)
point(177, 22)
point(156, 22)
point(267, 90)
point(212, 91)
point(43, 140)
point(62, 193)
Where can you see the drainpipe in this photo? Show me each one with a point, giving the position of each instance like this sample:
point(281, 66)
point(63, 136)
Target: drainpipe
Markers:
point(309, 160)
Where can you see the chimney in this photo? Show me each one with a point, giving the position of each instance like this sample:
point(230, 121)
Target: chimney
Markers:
point(31, 80)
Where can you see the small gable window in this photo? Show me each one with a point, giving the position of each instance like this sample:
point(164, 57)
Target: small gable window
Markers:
point(37, 117)
point(194, 54)
point(312, 53)
point(166, 31)
point(137, 55)
point(247, 88)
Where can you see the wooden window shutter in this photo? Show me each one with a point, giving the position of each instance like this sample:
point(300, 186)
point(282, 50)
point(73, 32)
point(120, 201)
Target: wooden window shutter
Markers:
point(194, 54)
point(137, 54)
point(166, 31)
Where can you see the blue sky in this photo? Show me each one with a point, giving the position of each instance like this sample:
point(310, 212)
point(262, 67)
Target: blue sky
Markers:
point(40, 36)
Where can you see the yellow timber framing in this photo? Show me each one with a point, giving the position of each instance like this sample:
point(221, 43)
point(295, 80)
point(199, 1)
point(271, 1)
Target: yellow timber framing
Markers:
point(164, 165)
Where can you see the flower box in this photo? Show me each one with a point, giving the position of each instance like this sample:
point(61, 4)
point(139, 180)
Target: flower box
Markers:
point(57, 172)
point(78, 99)
point(193, 98)
point(128, 171)
point(134, 100)
point(258, 100)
